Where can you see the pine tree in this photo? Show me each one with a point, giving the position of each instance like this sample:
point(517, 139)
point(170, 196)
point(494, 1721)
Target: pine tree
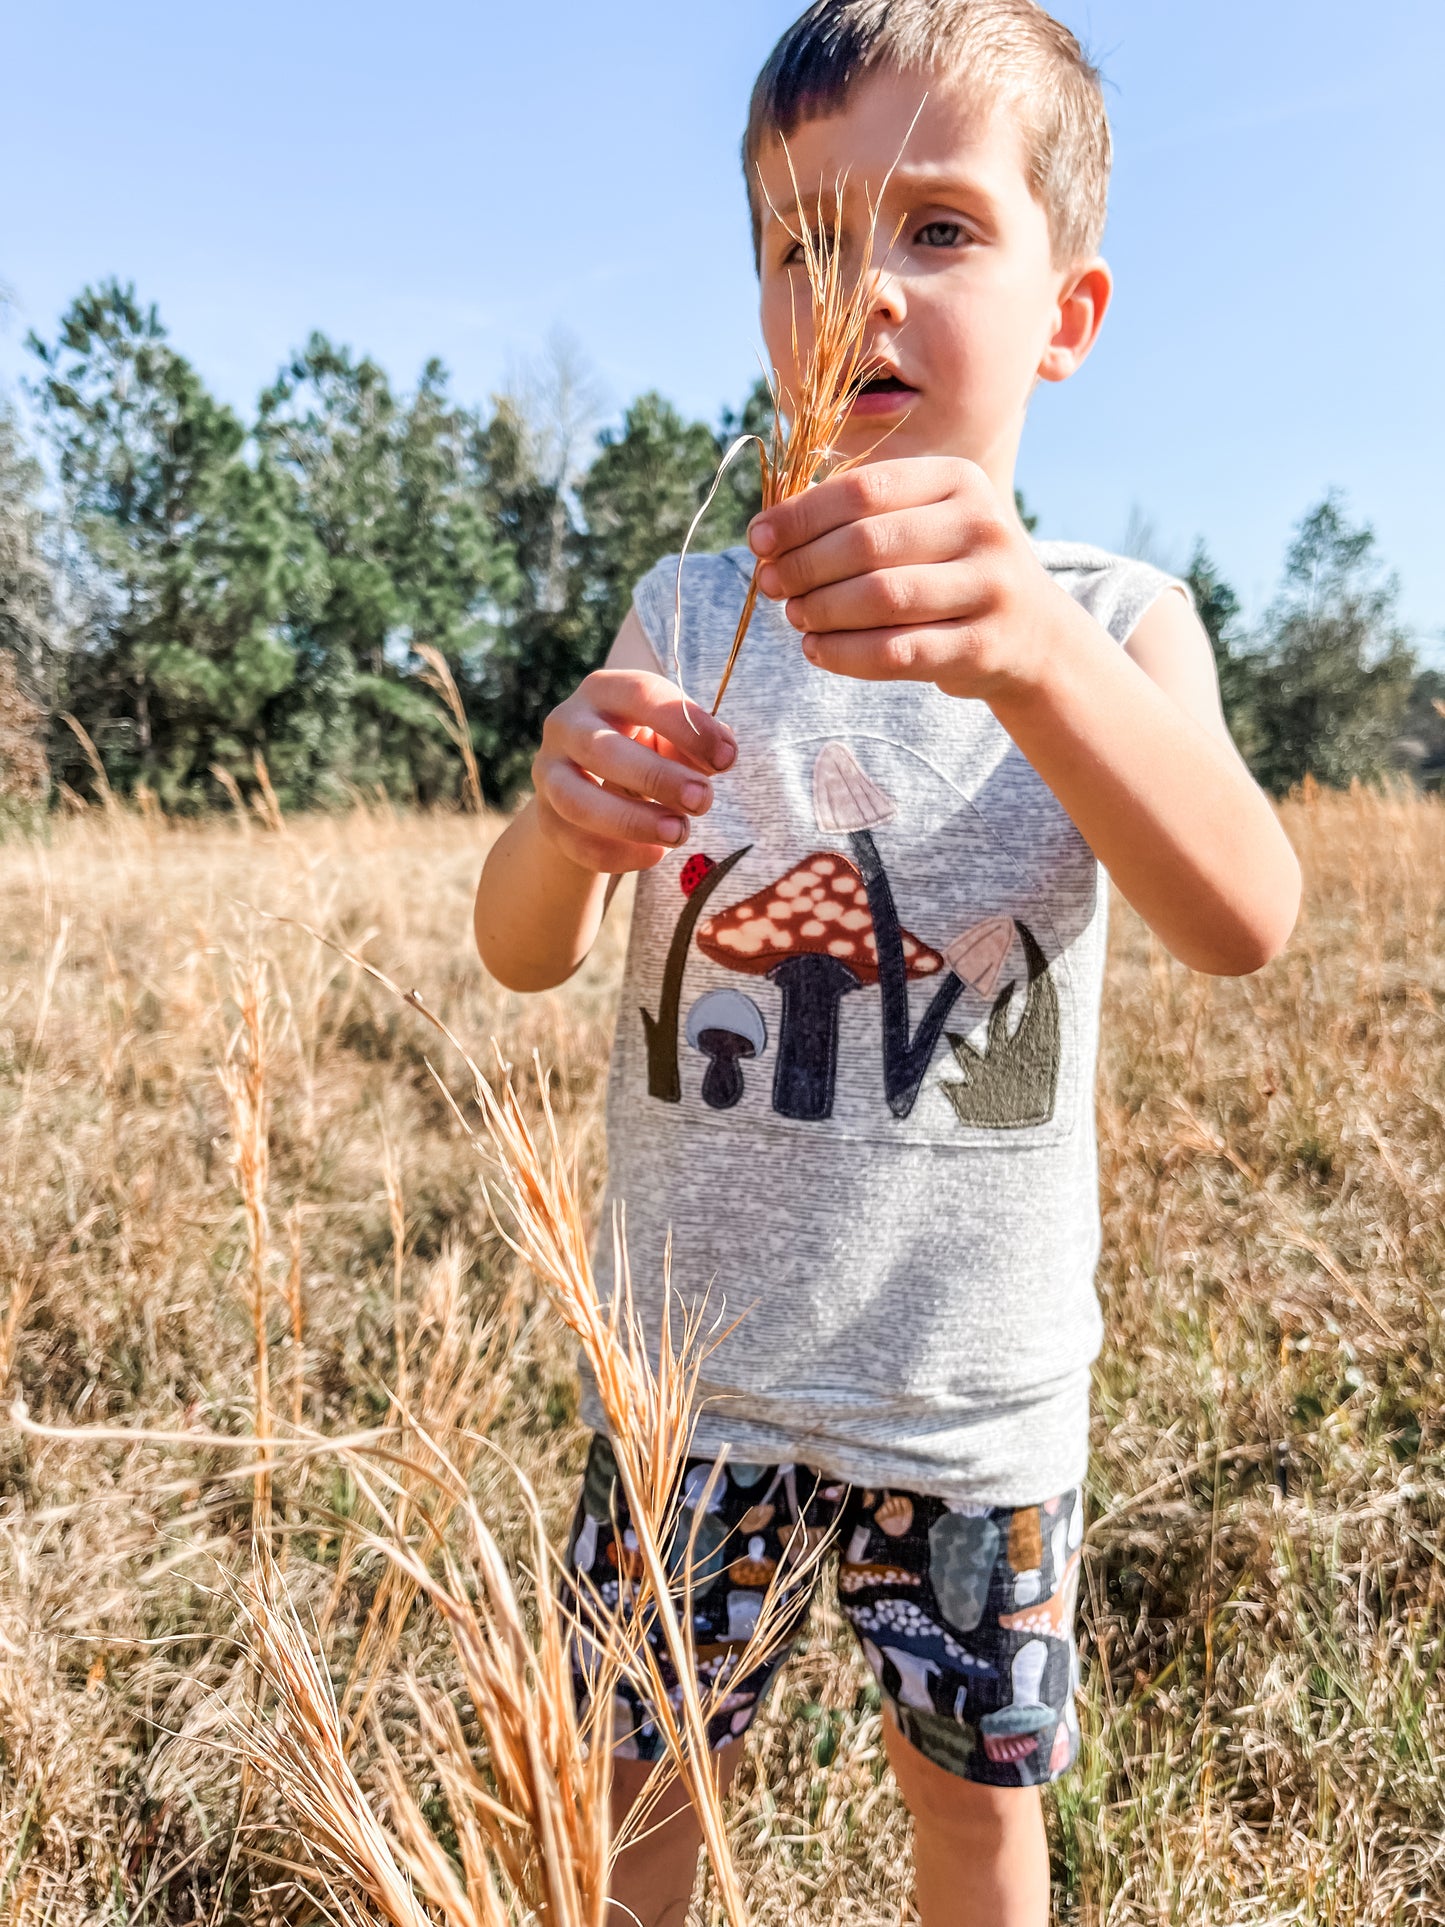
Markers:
point(641, 493)
point(1218, 609)
point(192, 546)
point(25, 625)
point(394, 498)
point(25, 591)
point(1334, 668)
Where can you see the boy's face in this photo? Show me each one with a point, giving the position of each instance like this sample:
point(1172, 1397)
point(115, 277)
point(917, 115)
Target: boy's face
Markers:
point(970, 309)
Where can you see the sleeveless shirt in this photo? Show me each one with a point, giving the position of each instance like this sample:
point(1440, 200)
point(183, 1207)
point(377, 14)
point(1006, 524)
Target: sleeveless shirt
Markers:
point(852, 1083)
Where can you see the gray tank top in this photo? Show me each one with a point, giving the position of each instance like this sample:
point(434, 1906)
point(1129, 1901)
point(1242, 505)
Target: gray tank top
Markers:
point(853, 1075)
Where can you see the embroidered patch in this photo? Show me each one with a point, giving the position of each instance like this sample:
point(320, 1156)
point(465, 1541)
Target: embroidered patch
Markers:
point(806, 1070)
point(813, 933)
point(726, 1027)
point(906, 1057)
point(846, 799)
point(1014, 1082)
point(664, 1080)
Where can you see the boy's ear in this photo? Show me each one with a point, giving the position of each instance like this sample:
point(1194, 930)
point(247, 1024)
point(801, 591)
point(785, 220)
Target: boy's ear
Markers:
point(1083, 302)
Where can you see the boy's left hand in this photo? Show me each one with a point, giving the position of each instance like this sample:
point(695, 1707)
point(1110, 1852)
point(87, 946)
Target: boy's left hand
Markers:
point(911, 570)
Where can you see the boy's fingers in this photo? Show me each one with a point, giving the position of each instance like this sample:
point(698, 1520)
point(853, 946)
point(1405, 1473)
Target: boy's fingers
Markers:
point(637, 699)
point(626, 764)
point(886, 655)
point(877, 488)
point(596, 811)
point(937, 532)
point(599, 853)
point(888, 599)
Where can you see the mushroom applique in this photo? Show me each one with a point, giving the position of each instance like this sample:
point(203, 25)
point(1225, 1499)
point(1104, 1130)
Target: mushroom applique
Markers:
point(812, 934)
point(1013, 1083)
point(847, 801)
point(726, 1027)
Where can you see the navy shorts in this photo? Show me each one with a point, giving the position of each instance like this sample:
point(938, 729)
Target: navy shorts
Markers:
point(965, 1613)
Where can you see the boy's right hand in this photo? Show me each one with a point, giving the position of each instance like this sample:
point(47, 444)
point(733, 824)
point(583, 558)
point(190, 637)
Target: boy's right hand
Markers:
point(624, 762)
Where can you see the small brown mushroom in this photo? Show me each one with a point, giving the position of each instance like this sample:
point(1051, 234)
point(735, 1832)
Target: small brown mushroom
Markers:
point(726, 1027)
point(812, 934)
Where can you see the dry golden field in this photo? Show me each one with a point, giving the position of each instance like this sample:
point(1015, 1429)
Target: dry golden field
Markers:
point(1265, 1715)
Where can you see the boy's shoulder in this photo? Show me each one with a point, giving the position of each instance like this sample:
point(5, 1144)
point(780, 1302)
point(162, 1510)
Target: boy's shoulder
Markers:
point(713, 581)
point(1115, 589)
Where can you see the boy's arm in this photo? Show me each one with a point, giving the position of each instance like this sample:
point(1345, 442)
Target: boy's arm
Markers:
point(624, 762)
point(1144, 764)
point(915, 569)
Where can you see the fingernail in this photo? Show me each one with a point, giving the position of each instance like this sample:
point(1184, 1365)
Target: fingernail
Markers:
point(762, 538)
point(725, 755)
point(696, 796)
point(810, 648)
point(672, 829)
point(770, 582)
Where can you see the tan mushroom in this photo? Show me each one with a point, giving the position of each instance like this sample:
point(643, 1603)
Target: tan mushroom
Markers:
point(980, 953)
point(845, 797)
point(811, 932)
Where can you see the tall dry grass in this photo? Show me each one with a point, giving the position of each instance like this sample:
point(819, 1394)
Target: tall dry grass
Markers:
point(1264, 1581)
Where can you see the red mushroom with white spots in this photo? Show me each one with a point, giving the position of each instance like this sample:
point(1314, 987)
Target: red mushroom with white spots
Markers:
point(812, 934)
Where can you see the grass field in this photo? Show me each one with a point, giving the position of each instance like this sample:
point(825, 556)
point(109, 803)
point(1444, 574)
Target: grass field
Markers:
point(1264, 1583)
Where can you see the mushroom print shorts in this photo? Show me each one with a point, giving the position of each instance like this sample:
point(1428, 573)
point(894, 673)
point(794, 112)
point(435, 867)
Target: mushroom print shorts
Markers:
point(964, 1612)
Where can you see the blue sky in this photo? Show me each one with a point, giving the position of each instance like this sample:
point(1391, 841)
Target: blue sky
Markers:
point(460, 179)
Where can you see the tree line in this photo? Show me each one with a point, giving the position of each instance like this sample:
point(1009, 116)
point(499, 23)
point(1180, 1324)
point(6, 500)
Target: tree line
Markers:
point(197, 589)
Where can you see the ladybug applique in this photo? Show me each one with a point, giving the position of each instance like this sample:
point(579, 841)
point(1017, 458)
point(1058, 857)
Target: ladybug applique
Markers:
point(693, 872)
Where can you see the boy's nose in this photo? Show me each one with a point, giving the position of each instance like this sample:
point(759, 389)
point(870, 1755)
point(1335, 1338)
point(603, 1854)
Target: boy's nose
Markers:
point(889, 302)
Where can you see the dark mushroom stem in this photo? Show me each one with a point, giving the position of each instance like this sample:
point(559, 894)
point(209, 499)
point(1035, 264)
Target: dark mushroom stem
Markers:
point(905, 1058)
point(722, 1084)
point(664, 1080)
point(807, 1060)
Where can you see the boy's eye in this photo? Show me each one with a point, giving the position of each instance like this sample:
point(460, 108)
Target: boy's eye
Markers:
point(822, 244)
point(940, 234)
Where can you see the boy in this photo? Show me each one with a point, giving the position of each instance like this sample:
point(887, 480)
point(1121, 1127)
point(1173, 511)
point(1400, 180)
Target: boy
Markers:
point(853, 1072)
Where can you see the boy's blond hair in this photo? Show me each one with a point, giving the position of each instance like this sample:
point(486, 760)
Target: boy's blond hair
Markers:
point(1012, 50)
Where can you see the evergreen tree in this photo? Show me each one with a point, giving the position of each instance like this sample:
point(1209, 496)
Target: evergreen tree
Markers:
point(1422, 729)
point(548, 635)
point(641, 493)
point(394, 500)
point(577, 563)
point(191, 544)
point(1334, 669)
point(25, 625)
point(26, 603)
point(1218, 609)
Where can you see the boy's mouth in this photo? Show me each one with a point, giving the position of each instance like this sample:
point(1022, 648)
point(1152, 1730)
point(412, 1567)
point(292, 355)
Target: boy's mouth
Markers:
point(884, 394)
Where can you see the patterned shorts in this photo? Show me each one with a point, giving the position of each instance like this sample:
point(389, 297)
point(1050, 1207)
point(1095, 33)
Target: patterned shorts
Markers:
point(965, 1613)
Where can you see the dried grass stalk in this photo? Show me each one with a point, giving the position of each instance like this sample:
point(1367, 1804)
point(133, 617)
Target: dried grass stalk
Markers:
point(233, 793)
point(458, 1400)
point(650, 1417)
point(531, 1813)
point(243, 1079)
point(266, 803)
point(836, 368)
point(109, 800)
point(443, 683)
